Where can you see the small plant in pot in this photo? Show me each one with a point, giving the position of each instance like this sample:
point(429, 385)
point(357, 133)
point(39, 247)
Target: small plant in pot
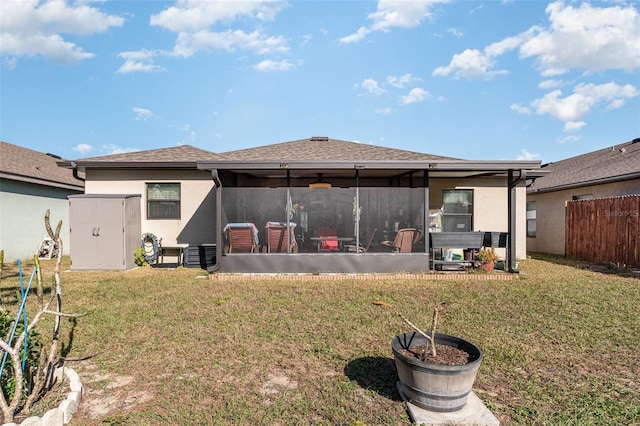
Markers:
point(487, 258)
point(436, 371)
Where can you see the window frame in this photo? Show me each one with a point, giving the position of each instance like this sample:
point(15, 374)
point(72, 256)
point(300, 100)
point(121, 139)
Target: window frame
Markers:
point(447, 215)
point(531, 219)
point(158, 201)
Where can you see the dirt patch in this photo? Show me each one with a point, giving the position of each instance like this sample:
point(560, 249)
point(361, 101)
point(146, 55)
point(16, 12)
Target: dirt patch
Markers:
point(106, 394)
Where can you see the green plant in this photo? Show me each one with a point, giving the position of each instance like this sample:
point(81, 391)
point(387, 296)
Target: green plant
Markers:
point(487, 254)
point(139, 257)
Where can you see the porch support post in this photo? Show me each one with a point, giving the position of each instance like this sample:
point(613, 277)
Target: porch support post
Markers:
point(510, 221)
point(217, 187)
point(356, 210)
point(425, 213)
point(512, 185)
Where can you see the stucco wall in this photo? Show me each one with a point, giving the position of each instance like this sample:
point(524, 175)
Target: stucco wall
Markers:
point(197, 204)
point(22, 217)
point(550, 212)
point(490, 204)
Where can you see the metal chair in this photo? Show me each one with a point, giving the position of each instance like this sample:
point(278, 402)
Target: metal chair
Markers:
point(362, 248)
point(328, 244)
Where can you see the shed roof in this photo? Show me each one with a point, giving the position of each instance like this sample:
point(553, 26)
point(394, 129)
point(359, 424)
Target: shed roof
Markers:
point(26, 165)
point(612, 164)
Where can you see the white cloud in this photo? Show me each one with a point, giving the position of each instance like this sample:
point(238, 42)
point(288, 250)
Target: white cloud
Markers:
point(383, 111)
point(416, 95)
point(401, 81)
point(550, 84)
point(188, 44)
point(527, 156)
point(469, 64)
point(372, 86)
point(520, 109)
point(195, 15)
point(138, 61)
point(83, 148)
point(193, 22)
point(142, 114)
point(269, 65)
point(394, 14)
point(32, 28)
point(570, 138)
point(587, 37)
point(585, 97)
point(455, 32)
point(572, 126)
point(111, 149)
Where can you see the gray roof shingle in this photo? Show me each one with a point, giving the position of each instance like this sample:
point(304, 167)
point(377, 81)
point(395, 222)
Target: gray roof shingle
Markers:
point(182, 153)
point(22, 164)
point(619, 162)
point(326, 149)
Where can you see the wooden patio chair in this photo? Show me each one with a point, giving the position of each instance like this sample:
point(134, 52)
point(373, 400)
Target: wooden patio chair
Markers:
point(405, 240)
point(277, 237)
point(362, 248)
point(242, 237)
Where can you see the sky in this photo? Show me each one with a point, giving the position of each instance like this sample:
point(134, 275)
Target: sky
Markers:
point(477, 80)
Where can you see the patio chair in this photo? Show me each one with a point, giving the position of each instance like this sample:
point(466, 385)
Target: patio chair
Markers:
point(329, 244)
point(242, 237)
point(277, 237)
point(362, 248)
point(405, 240)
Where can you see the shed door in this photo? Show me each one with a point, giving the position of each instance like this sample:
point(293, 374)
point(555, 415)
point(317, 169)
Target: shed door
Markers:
point(97, 233)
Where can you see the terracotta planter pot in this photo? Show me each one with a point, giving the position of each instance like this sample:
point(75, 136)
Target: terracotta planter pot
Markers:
point(488, 266)
point(435, 387)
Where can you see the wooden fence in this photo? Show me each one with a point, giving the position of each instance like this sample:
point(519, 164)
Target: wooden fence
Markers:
point(604, 230)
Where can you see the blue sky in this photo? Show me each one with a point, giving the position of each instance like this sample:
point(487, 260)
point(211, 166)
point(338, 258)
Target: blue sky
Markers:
point(497, 80)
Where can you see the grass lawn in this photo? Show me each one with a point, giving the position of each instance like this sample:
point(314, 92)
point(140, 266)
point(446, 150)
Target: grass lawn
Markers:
point(561, 345)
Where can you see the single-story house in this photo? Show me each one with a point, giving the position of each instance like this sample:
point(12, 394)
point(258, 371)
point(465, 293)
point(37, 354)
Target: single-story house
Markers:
point(30, 184)
point(608, 172)
point(286, 195)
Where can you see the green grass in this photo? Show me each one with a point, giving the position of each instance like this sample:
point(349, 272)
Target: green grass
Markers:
point(560, 343)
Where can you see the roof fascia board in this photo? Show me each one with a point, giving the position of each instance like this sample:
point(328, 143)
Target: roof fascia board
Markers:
point(391, 164)
point(41, 182)
point(612, 179)
point(83, 165)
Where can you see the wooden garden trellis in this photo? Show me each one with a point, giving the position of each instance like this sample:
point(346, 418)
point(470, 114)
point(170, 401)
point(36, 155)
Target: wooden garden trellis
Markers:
point(604, 230)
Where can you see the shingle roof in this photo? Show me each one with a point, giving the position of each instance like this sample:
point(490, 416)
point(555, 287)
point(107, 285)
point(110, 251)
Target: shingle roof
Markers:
point(24, 164)
point(619, 162)
point(326, 149)
point(182, 153)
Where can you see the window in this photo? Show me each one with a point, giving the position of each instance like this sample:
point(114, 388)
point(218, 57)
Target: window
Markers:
point(531, 219)
point(457, 210)
point(163, 201)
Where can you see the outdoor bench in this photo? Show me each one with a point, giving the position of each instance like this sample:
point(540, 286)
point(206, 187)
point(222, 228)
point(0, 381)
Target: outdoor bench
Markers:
point(462, 240)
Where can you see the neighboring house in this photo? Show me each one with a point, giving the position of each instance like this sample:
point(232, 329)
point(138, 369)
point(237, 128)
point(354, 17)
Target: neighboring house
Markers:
point(189, 196)
point(30, 184)
point(608, 172)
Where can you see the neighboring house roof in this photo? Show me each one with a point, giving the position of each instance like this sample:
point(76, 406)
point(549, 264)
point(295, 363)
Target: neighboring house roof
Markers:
point(616, 163)
point(25, 165)
point(178, 157)
point(327, 149)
